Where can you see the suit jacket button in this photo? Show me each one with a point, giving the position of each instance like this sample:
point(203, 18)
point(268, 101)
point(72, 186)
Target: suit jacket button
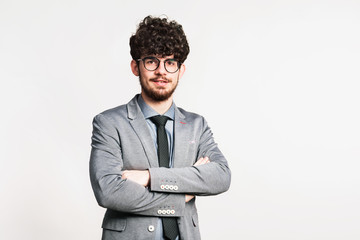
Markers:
point(151, 228)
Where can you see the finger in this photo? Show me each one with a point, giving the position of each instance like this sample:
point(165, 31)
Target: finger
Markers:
point(202, 161)
point(199, 162)
point(125, 174)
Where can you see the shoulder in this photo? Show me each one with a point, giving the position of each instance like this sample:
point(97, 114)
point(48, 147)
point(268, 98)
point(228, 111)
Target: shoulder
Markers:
point(119, 113)
point(189, 115)
point(195, 118)
point(114, 112)
point(112, 116)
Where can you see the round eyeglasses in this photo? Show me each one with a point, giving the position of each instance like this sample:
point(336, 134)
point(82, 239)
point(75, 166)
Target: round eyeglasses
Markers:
point(152, 63)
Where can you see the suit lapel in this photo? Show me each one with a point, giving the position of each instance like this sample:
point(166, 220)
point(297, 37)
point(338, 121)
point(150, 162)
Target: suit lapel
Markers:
point(138, 123)
point(180, 140)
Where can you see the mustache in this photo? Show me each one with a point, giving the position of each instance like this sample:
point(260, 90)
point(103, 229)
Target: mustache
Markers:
point(162, 79)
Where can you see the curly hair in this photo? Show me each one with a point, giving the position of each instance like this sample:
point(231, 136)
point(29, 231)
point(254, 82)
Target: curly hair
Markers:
point(158, 36)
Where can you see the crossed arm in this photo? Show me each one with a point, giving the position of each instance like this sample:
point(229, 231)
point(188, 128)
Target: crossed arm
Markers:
point(124, 191)
point(143, 177)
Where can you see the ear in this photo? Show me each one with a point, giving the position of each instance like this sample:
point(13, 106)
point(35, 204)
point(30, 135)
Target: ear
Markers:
point(181, 70)
point(134, 68)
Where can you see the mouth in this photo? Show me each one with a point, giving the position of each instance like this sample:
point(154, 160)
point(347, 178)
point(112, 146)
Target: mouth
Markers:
point(160, 81)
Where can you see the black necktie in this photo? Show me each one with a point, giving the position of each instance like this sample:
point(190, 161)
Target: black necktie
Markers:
point(170, 226)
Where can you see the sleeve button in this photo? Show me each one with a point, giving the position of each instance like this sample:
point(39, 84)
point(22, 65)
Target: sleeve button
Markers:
point(151, 228)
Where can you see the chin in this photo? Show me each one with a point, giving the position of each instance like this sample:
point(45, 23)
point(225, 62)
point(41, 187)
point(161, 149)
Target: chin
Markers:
point(157, 94)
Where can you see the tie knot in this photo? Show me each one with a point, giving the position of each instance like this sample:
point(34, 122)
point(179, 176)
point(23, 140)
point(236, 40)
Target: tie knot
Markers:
point(159, 120)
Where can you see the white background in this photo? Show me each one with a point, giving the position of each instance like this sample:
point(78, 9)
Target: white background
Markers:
point(278, 82)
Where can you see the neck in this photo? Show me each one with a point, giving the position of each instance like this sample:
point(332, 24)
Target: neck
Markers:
point(159, 106)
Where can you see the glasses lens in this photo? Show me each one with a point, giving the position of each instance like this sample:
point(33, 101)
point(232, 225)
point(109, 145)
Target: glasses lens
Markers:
point(171, 65)
point(151, 63)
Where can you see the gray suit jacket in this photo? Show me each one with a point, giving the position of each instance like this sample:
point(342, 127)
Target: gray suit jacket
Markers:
point(121, 141)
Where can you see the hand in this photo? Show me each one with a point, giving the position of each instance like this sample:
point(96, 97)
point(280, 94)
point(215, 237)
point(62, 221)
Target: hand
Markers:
point(188, 197)
point(141, 177)
point(201, 161)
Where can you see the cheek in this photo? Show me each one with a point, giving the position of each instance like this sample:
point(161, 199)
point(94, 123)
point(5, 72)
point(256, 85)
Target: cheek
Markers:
point(176, 79)
point(143, 76)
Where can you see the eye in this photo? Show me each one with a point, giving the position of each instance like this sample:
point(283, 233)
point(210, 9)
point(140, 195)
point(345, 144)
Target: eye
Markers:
point(149, 61)
point(171, 62)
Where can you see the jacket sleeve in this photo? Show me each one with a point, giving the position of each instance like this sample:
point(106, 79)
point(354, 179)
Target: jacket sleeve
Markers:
point(208, 179)
point(111, 191)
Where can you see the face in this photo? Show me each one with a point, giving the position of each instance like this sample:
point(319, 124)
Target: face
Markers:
point(158, 85)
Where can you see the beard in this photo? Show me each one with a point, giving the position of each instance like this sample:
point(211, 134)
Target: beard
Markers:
point(157, 94)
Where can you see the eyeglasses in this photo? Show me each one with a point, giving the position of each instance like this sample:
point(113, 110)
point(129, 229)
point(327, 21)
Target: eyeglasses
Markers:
point(152, 63)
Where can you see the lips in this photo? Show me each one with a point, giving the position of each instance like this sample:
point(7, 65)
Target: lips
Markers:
point(160, 82)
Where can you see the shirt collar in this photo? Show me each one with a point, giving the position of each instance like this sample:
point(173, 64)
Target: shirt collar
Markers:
point(150, 112)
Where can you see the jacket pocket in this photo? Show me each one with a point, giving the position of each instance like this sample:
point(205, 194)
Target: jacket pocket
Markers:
point(114, 221)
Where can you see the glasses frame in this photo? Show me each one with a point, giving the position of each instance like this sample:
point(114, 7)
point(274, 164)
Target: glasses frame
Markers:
point(159, 61)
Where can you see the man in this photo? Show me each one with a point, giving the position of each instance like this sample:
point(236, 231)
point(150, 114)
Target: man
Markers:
point(149, 158)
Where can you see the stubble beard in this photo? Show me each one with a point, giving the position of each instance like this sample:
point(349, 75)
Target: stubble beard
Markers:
point(156, 94)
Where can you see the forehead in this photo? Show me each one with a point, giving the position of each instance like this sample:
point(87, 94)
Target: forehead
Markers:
point(159, 56)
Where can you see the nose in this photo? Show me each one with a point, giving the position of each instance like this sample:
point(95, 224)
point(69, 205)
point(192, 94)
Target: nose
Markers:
point(161, 69)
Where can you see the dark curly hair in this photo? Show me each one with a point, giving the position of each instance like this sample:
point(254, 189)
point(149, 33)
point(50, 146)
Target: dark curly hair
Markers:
point(158, 36)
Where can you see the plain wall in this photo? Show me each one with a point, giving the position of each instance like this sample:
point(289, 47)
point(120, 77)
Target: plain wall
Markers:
point(278, 82)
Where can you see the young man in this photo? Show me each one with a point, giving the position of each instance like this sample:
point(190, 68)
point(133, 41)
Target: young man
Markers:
point(149, 158)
